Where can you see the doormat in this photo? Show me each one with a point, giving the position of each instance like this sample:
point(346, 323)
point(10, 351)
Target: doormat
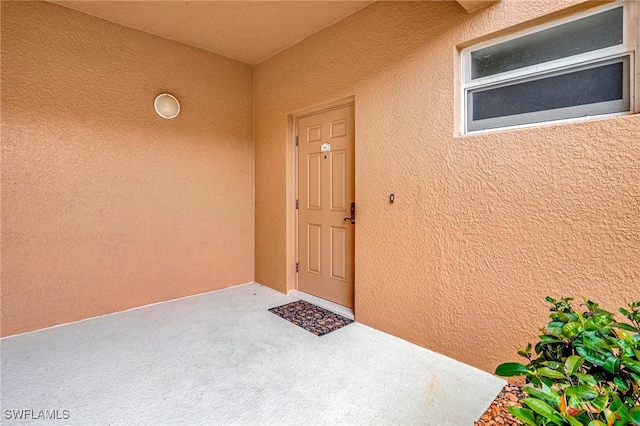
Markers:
point(312, 318)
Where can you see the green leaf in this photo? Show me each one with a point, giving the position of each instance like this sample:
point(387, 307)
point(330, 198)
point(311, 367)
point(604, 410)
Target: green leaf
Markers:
point(554, 365)
point(572, 364)
point(590, 304)
point(624, 312)
point(573, 421)
point(631, 364)
point(596, 323)
point(554, 328)
point(616, 404)
point(620, 409)
point(544, 393)
point(575, 403)
point(509, 369)
point(571, 330)
point(525, 415)
point(610, 416)
point(544, 339)
point(584, 392)
point(596, 423)
point(546, 381)
point(621, 384)
point(609, 344)
point(627, 347)
point(590, 355)
point(591, 339)
point(624, 326)
point(526, 352)
point(543, 409)
point(600, 403)
point(534, 380)
point(552, 374)
point(561, 316)
point(612, 364)
point(599, 321)
point(635, 415)
point(586, 379)
point(624, 335)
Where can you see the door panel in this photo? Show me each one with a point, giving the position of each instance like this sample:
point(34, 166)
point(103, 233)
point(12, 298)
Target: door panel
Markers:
point(326, 190)
point(338, 177)
point(338, 128)
point(315, 248)
point(314, 181)
point(338, 253)
point(314, 133)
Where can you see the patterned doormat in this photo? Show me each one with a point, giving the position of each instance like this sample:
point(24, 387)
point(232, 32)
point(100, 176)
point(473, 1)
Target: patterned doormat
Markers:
point(312, 318)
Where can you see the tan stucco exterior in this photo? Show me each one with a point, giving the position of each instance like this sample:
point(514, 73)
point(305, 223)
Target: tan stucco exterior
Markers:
point(249, 31)
point(105, 205)
point(483, 227)
point(473, 5)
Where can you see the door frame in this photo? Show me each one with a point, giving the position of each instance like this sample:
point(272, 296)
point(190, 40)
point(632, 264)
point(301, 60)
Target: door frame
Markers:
point(292, 224)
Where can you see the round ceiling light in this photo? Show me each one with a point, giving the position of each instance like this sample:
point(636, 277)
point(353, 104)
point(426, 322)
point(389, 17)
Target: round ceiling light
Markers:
point(167, 106)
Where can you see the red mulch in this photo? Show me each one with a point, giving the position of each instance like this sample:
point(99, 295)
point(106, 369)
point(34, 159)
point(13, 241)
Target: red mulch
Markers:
point(497, 414)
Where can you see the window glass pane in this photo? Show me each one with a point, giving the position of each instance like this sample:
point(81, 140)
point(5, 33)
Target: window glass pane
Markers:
point(573, 38)
point(587, 86)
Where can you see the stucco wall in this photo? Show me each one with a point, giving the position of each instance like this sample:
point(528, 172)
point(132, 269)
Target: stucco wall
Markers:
point(106, 206)
point(483, 227)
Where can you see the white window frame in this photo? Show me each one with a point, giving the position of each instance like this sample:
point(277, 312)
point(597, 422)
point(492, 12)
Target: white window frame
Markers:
point(558, 66)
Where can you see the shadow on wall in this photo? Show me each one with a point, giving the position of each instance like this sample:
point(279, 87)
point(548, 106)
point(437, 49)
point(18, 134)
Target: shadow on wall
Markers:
point(106, 206)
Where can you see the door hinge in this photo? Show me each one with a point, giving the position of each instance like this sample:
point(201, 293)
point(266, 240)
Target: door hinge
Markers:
point(297, 204)
point(297, 267)
point(297, 140)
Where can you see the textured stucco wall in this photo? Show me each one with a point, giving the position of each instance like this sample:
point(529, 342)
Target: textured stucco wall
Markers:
point(106, 206)
point(483, 227)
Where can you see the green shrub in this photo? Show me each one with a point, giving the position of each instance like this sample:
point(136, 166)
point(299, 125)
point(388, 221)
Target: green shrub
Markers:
point(585, 371)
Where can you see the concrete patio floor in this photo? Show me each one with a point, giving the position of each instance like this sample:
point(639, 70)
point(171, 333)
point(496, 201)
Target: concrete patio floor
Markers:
point(222, 358)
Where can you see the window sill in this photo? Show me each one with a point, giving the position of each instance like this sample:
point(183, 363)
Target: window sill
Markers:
point(546, 124)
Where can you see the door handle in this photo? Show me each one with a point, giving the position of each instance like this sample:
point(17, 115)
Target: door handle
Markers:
point(352, 218)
